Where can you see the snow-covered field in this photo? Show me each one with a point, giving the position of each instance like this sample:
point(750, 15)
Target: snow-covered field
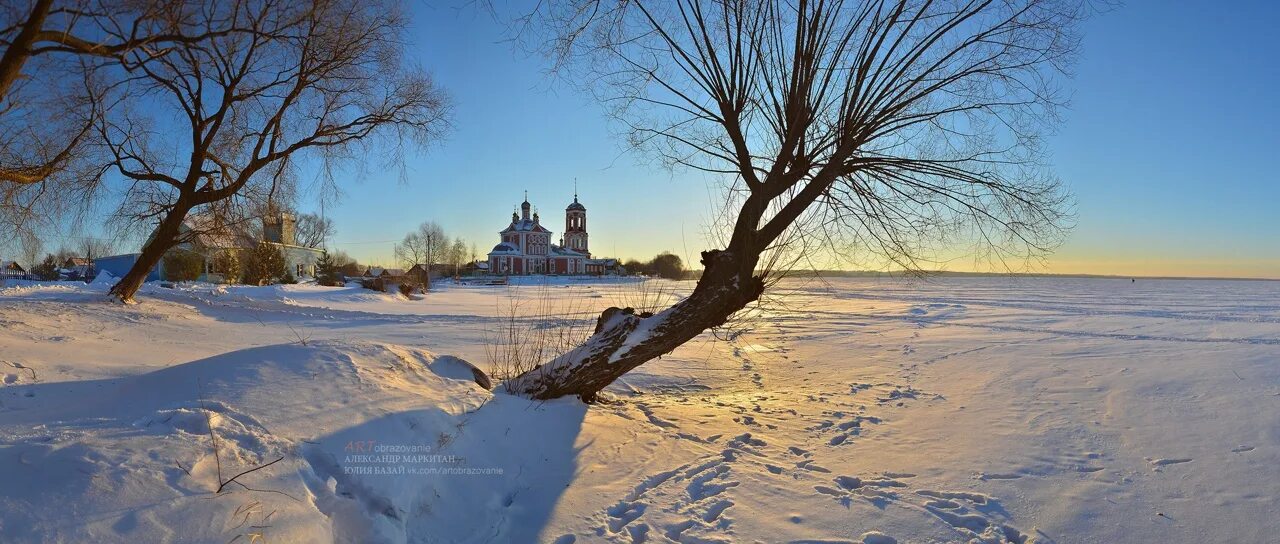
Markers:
point(858, 410)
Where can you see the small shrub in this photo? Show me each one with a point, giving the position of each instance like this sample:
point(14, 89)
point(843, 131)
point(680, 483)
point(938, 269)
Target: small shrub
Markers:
point(183, 265)
point(288, 279)
point(407, 289)
point(227, 264)
point(530, 332)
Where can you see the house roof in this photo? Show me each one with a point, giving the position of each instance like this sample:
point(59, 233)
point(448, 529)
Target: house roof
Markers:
point(392, 272)
point(10, 265)
point(208, 231)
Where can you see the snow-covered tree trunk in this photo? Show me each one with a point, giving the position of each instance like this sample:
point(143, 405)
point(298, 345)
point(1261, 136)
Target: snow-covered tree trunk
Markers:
point(890, 129)
point(624, 340)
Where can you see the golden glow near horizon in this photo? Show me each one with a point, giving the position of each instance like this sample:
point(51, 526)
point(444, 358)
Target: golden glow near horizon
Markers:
point(1073, 263)
point(1216, 268)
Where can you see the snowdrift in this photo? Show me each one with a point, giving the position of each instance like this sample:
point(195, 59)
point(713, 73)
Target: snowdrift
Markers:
point(368, 436)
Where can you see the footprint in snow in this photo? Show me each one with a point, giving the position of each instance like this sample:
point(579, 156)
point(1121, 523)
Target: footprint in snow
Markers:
point(1157, 463)
point(967, 512)
point(877, 537)
point(998, 476)
point(623, 513)
point(808, 465)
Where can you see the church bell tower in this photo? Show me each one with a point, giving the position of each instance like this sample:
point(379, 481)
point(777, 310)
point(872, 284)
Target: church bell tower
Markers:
point(575, 227)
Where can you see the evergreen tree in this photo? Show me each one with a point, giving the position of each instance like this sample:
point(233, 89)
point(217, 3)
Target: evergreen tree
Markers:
point(264, 264)
point(326, 270)
point(47, 270)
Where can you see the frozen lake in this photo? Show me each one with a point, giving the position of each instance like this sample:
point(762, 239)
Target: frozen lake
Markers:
point(845, 410)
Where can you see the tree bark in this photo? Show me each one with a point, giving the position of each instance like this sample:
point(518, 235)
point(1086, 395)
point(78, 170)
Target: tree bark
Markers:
point(624, 340)
point(16, 55)
point(161, 241)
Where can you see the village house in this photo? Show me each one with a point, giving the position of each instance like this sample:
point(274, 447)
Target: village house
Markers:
point(475, 268)
point(382, 279)
point(423, 274)
point(605, 267)
point(76, 267)
point(223, 248)
point(392, 275)
point(11, 270)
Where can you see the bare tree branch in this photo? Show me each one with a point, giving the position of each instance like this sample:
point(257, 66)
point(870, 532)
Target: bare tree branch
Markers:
point(894, 128)
point(320, 78)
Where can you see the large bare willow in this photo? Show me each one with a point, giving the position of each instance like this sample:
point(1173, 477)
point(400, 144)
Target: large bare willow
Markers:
point(52, 53)
point(208, 125)
point(896, 126)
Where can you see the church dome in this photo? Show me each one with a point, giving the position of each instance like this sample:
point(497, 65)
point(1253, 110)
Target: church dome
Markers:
point(576, 206)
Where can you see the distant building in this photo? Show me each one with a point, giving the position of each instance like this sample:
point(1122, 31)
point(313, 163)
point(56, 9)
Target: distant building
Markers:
point(605, 267)
point(75, 268)
point(421, 273)
point(525, 246)
point(279, 230)
point(11, 270)
point(76, 262)
point(379, 272)
point(475, 268)
point(382, 279)
point(221, 245)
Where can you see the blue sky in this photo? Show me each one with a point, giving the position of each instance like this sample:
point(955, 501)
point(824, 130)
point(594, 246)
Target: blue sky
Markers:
point(1166, 147)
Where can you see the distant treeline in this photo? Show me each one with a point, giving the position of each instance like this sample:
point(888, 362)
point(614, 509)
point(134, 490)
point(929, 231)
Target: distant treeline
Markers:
point(670, 266)
point(664, 265)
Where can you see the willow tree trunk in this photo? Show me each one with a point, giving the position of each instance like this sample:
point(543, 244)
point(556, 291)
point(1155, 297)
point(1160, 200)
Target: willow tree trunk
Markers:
point(161, 241)
point(624, 340)
point(16, 55)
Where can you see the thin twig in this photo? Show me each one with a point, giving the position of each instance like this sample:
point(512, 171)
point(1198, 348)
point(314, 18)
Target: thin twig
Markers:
point(260, 467)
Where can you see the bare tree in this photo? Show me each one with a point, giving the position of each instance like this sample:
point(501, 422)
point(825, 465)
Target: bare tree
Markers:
point(895, 127)
point(423, 246)
point(92, 248)
point(52, 89)
point(30, 247)
point(94, 28)
point(458, 254)
point(411, 250)
point(310, 79)
point(313, 230)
